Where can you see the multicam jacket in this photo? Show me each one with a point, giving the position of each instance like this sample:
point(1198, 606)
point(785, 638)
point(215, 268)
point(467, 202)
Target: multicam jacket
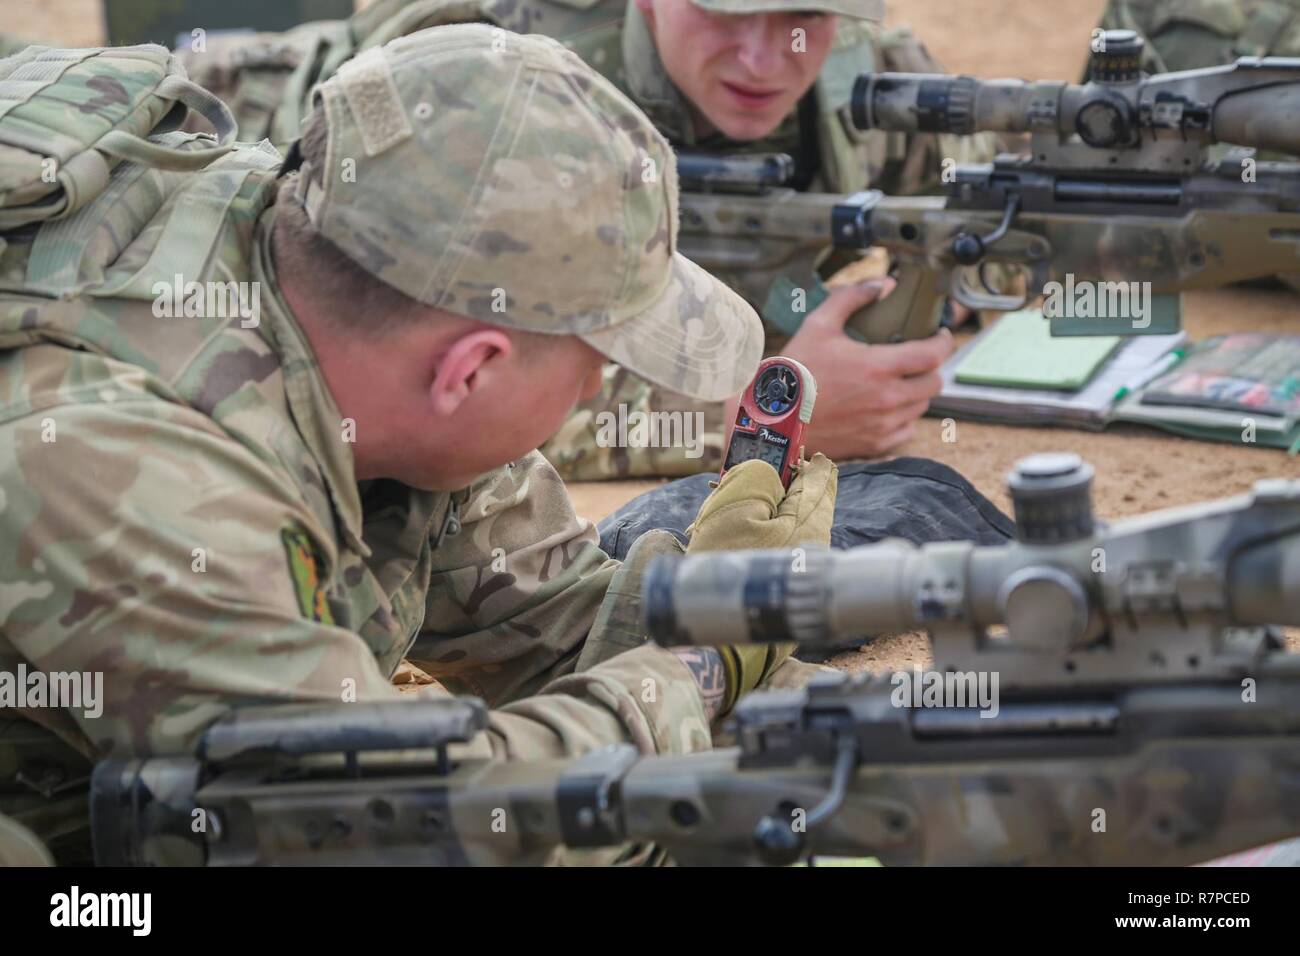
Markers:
point(1189, 34)
point(267, 82)
point(179, 513)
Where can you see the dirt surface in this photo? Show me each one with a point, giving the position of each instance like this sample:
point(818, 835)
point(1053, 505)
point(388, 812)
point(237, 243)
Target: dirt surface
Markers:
point(70, 22)
point(1029, 39)
point(1026, 38)
point(1138, 470)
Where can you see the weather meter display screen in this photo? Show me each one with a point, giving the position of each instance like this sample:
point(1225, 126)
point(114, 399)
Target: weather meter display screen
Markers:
point(764, 446)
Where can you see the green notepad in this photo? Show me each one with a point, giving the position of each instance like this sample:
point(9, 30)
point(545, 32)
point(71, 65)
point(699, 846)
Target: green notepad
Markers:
point(1019, 352)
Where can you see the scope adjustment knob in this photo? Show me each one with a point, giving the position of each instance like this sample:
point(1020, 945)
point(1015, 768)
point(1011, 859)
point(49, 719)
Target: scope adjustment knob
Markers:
point(961, 105)
point(1116, 57)
point(1052, 498)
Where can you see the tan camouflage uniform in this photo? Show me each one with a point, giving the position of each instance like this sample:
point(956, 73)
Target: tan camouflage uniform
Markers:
point(267, 79)
point(178, 503)
point(1190, 34)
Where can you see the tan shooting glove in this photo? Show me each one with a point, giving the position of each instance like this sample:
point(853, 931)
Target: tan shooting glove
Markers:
point(750, 509)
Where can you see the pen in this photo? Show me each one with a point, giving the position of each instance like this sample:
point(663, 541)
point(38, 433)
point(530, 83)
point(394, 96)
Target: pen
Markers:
point(1150, 374)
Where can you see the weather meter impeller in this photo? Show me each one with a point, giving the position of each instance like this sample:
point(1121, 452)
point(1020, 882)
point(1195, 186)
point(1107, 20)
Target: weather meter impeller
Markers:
point(774, 412)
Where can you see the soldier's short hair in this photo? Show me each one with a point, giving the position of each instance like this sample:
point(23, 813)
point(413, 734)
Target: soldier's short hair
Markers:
point(347, 293)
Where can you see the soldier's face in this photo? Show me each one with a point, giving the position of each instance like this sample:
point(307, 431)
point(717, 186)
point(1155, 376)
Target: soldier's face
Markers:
point(437, 405)
point(503, 405)
point(516, 403)
point(742, 74)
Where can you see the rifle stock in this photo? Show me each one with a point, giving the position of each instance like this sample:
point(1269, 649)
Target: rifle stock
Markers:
point(1147, 713)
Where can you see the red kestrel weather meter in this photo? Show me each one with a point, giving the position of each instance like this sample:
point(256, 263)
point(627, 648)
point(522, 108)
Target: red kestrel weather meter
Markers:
point(774, 411)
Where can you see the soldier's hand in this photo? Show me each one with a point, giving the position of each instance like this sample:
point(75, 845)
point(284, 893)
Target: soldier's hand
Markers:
point(868, 396)
point(751, 509)
point(958, 314)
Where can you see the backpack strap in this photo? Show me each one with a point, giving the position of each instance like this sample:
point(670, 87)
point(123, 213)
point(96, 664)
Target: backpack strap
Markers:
point(128, 146)
point(184, 215)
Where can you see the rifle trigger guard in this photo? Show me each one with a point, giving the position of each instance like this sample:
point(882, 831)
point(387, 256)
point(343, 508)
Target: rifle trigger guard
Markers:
point(969, 249)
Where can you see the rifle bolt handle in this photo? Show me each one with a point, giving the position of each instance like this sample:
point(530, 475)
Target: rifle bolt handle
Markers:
point(967, 249)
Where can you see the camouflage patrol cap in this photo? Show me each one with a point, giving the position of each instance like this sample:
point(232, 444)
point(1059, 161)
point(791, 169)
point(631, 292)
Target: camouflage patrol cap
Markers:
point(859, 9)
point(499, 177)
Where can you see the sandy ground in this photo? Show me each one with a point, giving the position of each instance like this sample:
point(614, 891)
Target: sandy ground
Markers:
point(1137, 470)
point(1031, 39)
point(71, 22)
point(1027, 38)
point(982, 37)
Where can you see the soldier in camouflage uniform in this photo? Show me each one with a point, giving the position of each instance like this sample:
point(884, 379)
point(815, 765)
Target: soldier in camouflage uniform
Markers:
point(775, 77)
point(215, 509)
point(1190, 34)
point(871, 396)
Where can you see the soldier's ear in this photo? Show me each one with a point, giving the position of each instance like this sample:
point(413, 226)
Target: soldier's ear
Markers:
point(469, 363)
point(647, 8)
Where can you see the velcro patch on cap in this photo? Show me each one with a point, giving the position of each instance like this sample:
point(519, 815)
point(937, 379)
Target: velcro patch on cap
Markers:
point(374, 101)
point(544, 53)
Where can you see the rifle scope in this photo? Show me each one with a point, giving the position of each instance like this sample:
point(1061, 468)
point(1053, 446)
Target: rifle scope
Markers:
point(1254, 102)
point(1045, 587)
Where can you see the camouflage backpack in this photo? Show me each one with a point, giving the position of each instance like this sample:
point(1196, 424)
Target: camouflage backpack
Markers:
point(100, 196)
point(69, 117)
point(99, 189)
